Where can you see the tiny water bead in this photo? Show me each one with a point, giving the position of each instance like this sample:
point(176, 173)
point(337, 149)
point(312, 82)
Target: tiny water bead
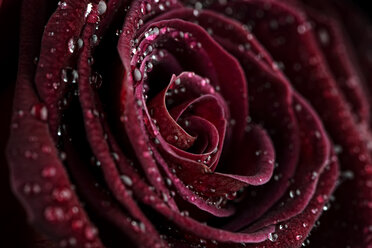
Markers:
point(49, 172)
point(126, 180)
point(71, 45)
point(31, 188)
point(304, 27)
point(39, 111)
point(323, 36)
point(62, 194)
point(90, 232)
point(54, 213)
point(96, 80)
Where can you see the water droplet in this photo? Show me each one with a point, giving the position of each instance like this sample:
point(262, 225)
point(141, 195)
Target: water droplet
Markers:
point(314, 175)
point(273, 237)
point(46, 149)
point(88, 10)
point(71, 45)
point(317, 134)
point(54, 214)
point(63, 5)
point(142, 227)
point(68, 75)
point(347, 175)
point(274, 24)
point(96, 80)
point(298, 107)
point(90, 232)
point(80, 43)
point(40, 111)
point(326, 206)
point(126, 180)
point(72, 241)
point(62, 194)
point(148, 7)
point(303, 28)
point(323, 36)
point(320, 198)
point(101, 8)
point(298, 237)
point(77, 224)
point(94, 39)
point(137, 75)
point(48, 172)
point(49, 76)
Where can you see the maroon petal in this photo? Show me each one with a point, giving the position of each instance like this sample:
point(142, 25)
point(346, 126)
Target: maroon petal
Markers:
point(254, 163)
point(45, 190)
point(95, 136)
point(293, 233)
point(59, 43)
point(314, 144)
point(309, 73)
point(337, 51)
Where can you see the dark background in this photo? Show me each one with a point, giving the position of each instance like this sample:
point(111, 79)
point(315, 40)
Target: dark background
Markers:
point(365, 5)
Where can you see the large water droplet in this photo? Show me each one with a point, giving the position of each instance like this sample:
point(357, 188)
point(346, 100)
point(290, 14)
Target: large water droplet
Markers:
point(273, 237)
point(101, 7)
point(137, 75)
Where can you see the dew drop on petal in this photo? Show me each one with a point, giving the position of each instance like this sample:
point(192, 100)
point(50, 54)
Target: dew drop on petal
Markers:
point(71, 45)
point(62, 194)
point(90, 232)
point(273, 237)
point(40, 111)
point(48, 172)
point(323, 36)
point(54, 214)
point(137, 75)
point(96, 80)
point(126, 180)
point(102, 7)
point(77, 224)
point(80, 43)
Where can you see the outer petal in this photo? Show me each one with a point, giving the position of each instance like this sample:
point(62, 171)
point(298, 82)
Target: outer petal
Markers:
point(307, 69)
point(46, 180)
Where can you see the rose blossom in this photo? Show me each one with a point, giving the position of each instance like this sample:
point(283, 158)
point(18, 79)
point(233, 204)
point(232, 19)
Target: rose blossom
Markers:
point(168, 123)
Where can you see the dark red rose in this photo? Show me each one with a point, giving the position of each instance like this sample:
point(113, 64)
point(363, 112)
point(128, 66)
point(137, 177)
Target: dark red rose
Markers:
point(169, 123)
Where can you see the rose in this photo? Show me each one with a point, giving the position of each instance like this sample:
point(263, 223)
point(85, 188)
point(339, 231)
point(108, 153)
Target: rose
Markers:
point(192, 110)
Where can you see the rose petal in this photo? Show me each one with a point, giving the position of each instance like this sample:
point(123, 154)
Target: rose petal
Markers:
point(45, 173)
point(306, 68)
